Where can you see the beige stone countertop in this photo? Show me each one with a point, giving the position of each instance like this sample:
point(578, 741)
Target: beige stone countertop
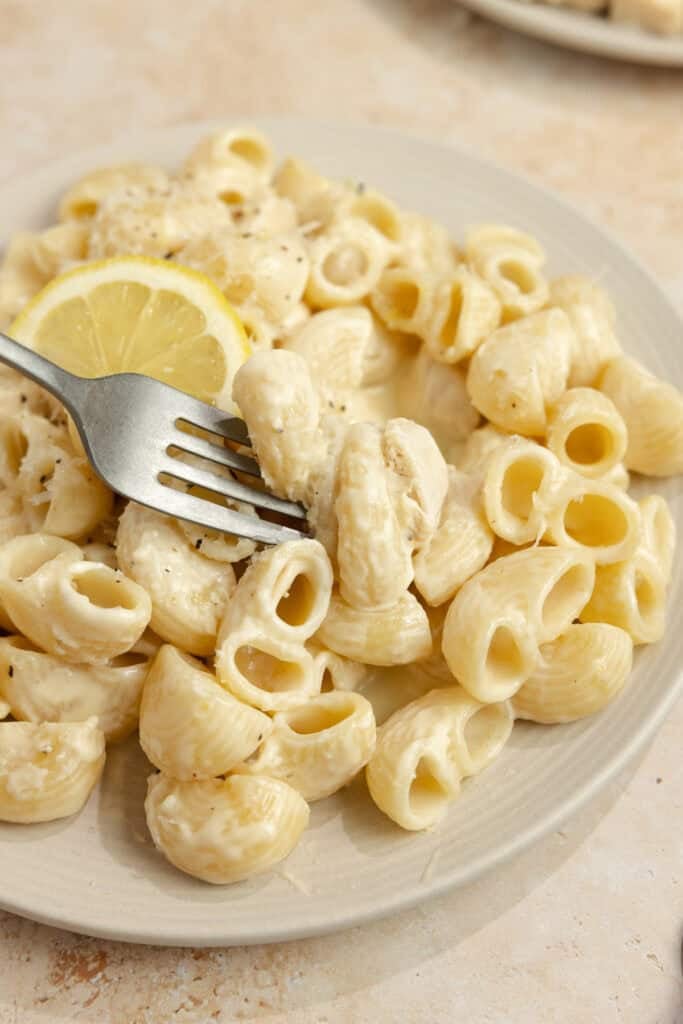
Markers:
point(586, 927)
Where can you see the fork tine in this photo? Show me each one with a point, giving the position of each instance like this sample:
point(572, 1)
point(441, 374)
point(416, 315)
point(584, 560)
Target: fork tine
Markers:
point(229, 487)
point(214, 453)
point(216, 517)
point(208, 417)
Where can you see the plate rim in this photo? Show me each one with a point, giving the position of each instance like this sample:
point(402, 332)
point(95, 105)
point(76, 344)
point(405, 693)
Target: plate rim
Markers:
point(545, 823)
point(582, 31)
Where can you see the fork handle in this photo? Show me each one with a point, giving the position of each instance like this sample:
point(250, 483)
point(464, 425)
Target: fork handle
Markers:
point(62, 384)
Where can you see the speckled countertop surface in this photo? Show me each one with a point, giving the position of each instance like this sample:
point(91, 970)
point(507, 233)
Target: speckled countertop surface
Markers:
point(587, 926)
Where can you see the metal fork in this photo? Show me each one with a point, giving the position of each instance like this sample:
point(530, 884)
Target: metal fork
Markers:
point(129, 424)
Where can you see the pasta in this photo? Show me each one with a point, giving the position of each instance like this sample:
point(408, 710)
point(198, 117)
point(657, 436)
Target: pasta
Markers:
point(220, 547)
point(188, 592)
point(19, 393)
point(499, 617)
point(48, 771)
point(435, 395)
point(465, 311)
point(459, 428)
point(501, 656)
point(345, 349)
point(243, 144)
point(81, 611)
point(17, 433)
point(335, 672)
point(346, 263)
point(314, 197)
point(277, 398)
point(387, 636)
point(20, 278)
point(459, 547)
point(632, 593)
point(153, 221)
point(58, 490)
point(377, 211)
point(403, 298)
point(478, 446)
point(586, 432)
point(426, 245)
point(519, 486)
point(426, 748)
point(267, 672)
point(279, 603)
point(658, 533)
point(595, 516)
point(413, 776)
point(520, 371)
point(267, 274)
point(59, 247)
point(391, 488)
point(83, 199)
point(374, 553)
point(40, 687)
point(333, 344)
point(420, 477)
point(577, 674)
point(224, 830)
point(510, 262)
point(287, 588)
point(190, 727)
point(232, 165)
point(318, 747)
point(653, 413)
point(592, 317)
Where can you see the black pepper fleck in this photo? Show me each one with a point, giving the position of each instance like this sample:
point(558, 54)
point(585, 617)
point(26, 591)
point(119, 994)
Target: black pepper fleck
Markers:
point(43, 478)
point(10, 673)
point(198, 543)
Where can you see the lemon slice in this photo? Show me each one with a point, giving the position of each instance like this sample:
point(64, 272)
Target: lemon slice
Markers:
point(140, 315)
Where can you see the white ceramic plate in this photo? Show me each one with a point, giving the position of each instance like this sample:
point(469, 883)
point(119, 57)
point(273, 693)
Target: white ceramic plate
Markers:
point(579, 31)
point(99, 873)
